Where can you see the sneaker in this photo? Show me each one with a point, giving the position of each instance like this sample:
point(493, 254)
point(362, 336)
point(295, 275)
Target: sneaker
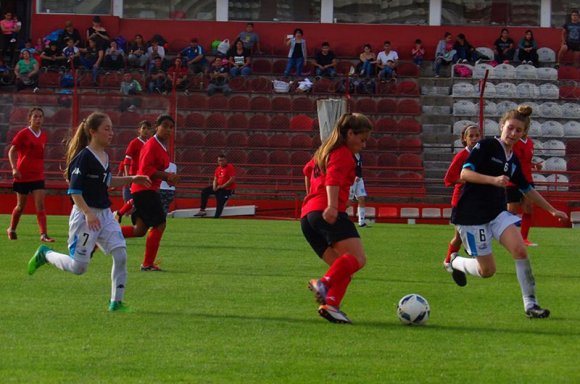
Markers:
point(118, 306)
point(151, 268)
point(458, 276)
point(131, 108)
point(464, 61)
point(186, 92)
point(363, 225)
point(528, 243)
point(35, 90)
point(536, 312)
point(437, 75)
point(11, 234)
point(201, 213)
point(38, 260)
point(118, 217)
point(319, 289)
point(333, 314)
point(45, 238)
point(557, 66)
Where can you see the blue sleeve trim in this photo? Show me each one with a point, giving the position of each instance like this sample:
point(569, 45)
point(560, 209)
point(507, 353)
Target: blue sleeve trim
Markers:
point(526, 190)
point(74, 192)
point(469, 165)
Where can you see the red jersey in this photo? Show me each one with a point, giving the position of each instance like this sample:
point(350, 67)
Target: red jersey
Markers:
point(453, 174)
point(154, 157)
point(223, 174)
point(132, 154)
point(30, 148)
point(340, 172)
point(524, 150)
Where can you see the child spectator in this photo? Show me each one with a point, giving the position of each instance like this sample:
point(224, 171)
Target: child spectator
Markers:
point(71, 53)
point(5, 73)
point(368, 59)
point(504, 48)
point(325, 62)
point(130, 86)
point(528, 49)
point(418, 53)
point(250, 39)
point(218, 78)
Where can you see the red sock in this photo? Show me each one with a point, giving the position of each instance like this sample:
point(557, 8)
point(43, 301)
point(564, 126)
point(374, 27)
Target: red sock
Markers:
point(16, 213)
point(450, 249)
point(343, 267)
point(152, 246)
point(128, 231)
point(336, 293)
point(126, 208)
point(526, 224)
point(41, 219)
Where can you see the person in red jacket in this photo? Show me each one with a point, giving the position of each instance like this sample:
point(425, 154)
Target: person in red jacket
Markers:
point(325, 223)
point(524, 150)
point(469, 136)
point(26, 156)
point(223, 187)
point(149, 216)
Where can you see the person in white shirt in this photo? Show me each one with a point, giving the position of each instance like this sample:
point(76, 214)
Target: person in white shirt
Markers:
point(384, 57)
point(166, 191)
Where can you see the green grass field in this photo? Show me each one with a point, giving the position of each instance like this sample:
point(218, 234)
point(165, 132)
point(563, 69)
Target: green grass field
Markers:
point(233, 307)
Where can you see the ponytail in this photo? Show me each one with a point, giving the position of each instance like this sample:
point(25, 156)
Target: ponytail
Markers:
point(82, 137)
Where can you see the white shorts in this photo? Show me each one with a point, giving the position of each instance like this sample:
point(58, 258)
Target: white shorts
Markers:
point(477, 238)
point(357, 189)
point(81, 240)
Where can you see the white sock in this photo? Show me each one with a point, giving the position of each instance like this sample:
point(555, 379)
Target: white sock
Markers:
point(361, 215)
point(466, 265)
point(66, 263)
point(118, 274)
point(527, 282)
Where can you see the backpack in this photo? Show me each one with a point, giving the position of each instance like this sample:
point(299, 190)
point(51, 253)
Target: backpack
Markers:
point(67, 80)
point(462, 70)
point(366, 86)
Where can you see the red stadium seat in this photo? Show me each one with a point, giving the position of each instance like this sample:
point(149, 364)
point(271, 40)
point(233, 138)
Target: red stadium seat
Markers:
point(569, 92)
point(260, 103)
point(388, 143)
point(259, 122)
point(387, 106)
point(123, 136)
point(409, 107)
point(19, 116)
point(111, 80)
point(154, 102)
point(369, 159)
point(407, 69)
point(301, 141)
point(129, 119)
point(238, 121)
point(301, 123)
point(300, 158)
point(239, 103)
point(190, 138)
point(258, 140)
point(279, 140)
point(573, 147)
point(262, 67)
point(88, 100)
point(280, 123)
point(409, 125)
point(303, 104)
point(211, 155)
point(237, 139)
point(257, 156)
point(188, 155)
point(195, 120)
point(387, 160)
point(568, 73)
point(279, 66)
point(49, 79)
point(386, 125)
point(64, 117)
point(239, 84)
point(343, 67)
point(216, 121)
point(237, 156)
point(323, 86)
point(408, 88)
point(281, 104)
point(218, 102)
point(279, 157)
point(215, 139)
point(410, 160)
point(366, 105)
point(195, 101)
point(260, 85)
point(372, 143)
point(387, 88)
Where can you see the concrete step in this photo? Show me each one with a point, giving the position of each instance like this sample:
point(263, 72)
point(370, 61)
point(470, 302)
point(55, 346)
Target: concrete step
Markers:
point(434, 90)
point(439, 110)
point(437, 128)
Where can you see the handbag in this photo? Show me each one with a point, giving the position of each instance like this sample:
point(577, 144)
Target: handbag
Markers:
point(224, 47)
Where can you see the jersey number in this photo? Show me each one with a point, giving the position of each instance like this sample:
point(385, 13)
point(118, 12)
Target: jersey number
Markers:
point(86, 236)
point(482, 235)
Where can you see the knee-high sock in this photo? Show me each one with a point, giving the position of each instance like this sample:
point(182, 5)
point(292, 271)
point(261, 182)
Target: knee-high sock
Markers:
point(467, 265)
point(66, 263)
point(16, 213)
point(362, 213)
point(128, 231)
point(126, 207)
point(41, 219)
point(450, 249)
point(343, 267)
point(527, 282)
point(336, 293)
point(152, 246)
point(118, 274)
point(526, 224)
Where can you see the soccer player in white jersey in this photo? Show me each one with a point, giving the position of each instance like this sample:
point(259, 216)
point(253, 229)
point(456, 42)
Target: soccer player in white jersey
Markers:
point(358, 193)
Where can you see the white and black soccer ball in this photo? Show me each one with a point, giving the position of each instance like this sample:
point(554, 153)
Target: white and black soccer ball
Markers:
point(413, 309)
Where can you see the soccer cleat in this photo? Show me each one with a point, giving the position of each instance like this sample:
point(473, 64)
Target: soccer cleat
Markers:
point(38, 260)
point(333, 314)
point(151, 268)
point(11, 234)
point(528, 243)
point(458, 276)
point(201, 213)
point(118, 306)
point(363, 225)
point(536, 312)
point(45, 238)
point(319, 290)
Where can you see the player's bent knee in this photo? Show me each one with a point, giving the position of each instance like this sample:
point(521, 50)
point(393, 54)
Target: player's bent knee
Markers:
point(520, 253)
point(362, 260)
point(79, 268)
point(486, 272)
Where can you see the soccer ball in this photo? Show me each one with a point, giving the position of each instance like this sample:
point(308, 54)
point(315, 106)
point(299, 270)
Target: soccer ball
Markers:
point(413, 309)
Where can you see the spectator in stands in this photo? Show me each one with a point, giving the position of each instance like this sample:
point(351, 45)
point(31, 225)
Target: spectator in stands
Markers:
point(157, 77)
point(504, 47)
point(368, 60)
point(92, 58)
point(297, 53)
point(325, 62)
point(26, 71)
point(72, 54)
point(166, 190)
point(69, 32)
point(130, 87)
point(98, 33)
point(570, 39)
point(250, 39)
point(219, 78)
point(114, 57)
point(444, 53)
point(5, 73)
point(52, 58)
point(28, 46)
point(180, 73)
point(137, 52)
point(418, 53)
point(528, 49)
point(223, 186)
point(239, 60)
point(464, 51)
point(469, 136)
point(388, 72)
point(386, 69)
point(194, 55)
point(155, 50)
point(26, 156)
point(9, 26)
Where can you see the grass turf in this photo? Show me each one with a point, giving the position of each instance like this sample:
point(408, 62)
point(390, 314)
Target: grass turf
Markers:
point(233, 307)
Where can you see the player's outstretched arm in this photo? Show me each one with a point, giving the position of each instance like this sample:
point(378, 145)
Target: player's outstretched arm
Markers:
point(118, 181)
point(539, 200)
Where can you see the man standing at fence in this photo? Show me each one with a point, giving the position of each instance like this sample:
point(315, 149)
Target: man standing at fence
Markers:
point(223, 186)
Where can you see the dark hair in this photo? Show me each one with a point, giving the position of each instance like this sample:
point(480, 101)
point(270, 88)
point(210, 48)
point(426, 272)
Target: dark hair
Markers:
point(144, 123)
point(252, 24)
point(162, 118)
point(530, 31)
point(325, 44)
point(367, 45)
point(298, 30)
point(222, 156)
point(97, 19)
point(418, 41)
point(138, 35)
point(447, 34)
point(34, 109)
point(574, 11)
point(387, 42)
point(461, 36)
point(54, 43)
point(465, 131)
point(504, 29)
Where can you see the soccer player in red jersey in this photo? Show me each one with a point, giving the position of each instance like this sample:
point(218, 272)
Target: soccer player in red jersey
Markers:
point(470, 135)
point(26, 156)
point(149, 213)
point(325, 223)
point(223, 186)
point(524, 150)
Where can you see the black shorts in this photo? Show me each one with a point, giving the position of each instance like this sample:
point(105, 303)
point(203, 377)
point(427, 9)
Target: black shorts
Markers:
point(320, 235)
point(573, 46)
point(148, 207)
point(24, 188)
